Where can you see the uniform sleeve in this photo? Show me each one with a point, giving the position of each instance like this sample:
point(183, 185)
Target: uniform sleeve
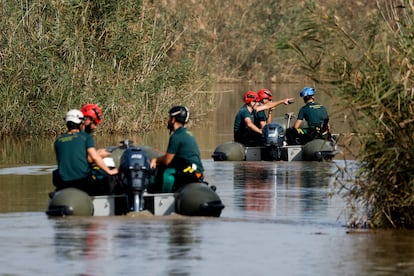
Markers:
point(173, 144)
point(300, 114)
point(90, 143)
point(326, 113)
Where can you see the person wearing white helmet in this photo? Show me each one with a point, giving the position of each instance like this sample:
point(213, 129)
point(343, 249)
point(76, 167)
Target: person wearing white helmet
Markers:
point(72, 150)
point(315, 115)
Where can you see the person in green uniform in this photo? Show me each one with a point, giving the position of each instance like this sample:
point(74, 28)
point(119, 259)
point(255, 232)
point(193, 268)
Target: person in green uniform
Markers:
point(264, 96)
point(93, 115)
point(181, 164)
point(251, 119)
point(316, 117)
point(247, 130)
point(72, 150)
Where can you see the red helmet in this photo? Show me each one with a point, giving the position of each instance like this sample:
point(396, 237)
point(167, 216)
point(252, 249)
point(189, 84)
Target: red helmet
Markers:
point(93, 111)
point(264, 94)
point(249, 97)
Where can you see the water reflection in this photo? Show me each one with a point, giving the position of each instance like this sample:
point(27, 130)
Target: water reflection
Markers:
point(23, 192)
point(120, 245)
point(256, 187)
point(77, 240)
point(295, 191)
point(27, 150)
point(181, 240)
point(184, 244)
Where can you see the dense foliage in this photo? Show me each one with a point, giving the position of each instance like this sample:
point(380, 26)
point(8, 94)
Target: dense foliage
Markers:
point(134, 58)
point(366, 57)
point(58, 55)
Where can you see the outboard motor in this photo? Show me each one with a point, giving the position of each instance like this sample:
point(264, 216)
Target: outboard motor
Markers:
point(273, 140)
point(134, 172)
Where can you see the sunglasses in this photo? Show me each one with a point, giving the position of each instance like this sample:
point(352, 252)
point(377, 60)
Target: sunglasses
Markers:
point(90, 119)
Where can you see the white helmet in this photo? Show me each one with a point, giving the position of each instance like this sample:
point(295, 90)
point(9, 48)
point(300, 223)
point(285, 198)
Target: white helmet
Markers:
point(75, 116)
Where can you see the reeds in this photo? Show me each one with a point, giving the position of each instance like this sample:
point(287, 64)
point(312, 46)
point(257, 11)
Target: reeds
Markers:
point(133, 58)
point(59, 55)
point(365, 61)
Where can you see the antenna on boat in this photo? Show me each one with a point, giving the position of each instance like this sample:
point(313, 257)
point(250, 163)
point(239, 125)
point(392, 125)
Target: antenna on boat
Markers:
point(126, 143)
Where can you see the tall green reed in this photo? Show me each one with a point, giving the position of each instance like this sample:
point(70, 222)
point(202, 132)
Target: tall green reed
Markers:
point(365, 59)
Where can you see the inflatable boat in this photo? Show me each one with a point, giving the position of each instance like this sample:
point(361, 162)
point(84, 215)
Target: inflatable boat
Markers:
point(127, 192)
point(275, 148)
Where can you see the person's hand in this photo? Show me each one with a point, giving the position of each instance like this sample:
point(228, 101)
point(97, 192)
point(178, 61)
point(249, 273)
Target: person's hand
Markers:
point(113, 171)
point(153, 163)
point(288, 101)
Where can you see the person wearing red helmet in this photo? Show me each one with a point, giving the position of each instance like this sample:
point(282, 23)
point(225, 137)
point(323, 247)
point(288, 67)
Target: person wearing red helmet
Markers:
point(264, 96)
point(270, 104)
point(250, 119)
point(92, 118)
point(73, 149)
point(245, 130)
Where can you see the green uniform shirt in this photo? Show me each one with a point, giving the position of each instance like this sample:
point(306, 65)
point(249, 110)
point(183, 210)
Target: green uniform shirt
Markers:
point(240, 126)
point(260, 117)
point(314, 114)
point(72, 156)
point(183, 144)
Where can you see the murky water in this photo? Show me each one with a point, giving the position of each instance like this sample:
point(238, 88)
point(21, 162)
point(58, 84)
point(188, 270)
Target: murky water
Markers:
point(278, 220)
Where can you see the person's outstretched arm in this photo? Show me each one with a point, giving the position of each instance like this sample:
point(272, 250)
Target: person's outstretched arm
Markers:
point(268, 105)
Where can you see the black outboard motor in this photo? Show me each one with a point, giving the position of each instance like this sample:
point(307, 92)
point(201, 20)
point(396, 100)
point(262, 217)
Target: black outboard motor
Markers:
point(273, 135)
point(134, 172)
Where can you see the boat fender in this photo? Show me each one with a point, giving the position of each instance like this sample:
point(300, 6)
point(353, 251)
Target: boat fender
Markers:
point(70, 202)
point(219, 156)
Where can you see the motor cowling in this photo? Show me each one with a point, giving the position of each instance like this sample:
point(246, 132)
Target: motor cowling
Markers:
point(273, 135)
point(134, 168)
point(134, 172)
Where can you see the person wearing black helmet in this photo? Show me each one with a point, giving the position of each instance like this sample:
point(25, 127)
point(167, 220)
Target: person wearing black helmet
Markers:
point(316, 117)
point(181, 164)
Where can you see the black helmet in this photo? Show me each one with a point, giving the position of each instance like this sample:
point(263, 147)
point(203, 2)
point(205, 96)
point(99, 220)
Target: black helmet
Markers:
point(180, 113)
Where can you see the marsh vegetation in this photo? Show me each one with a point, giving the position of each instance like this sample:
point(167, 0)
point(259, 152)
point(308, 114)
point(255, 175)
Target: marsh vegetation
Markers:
point(365, 61)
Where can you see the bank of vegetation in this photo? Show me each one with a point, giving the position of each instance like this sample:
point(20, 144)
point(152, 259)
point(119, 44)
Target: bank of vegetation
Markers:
point(137, 58)
point(365, 57)
point(133, 58)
